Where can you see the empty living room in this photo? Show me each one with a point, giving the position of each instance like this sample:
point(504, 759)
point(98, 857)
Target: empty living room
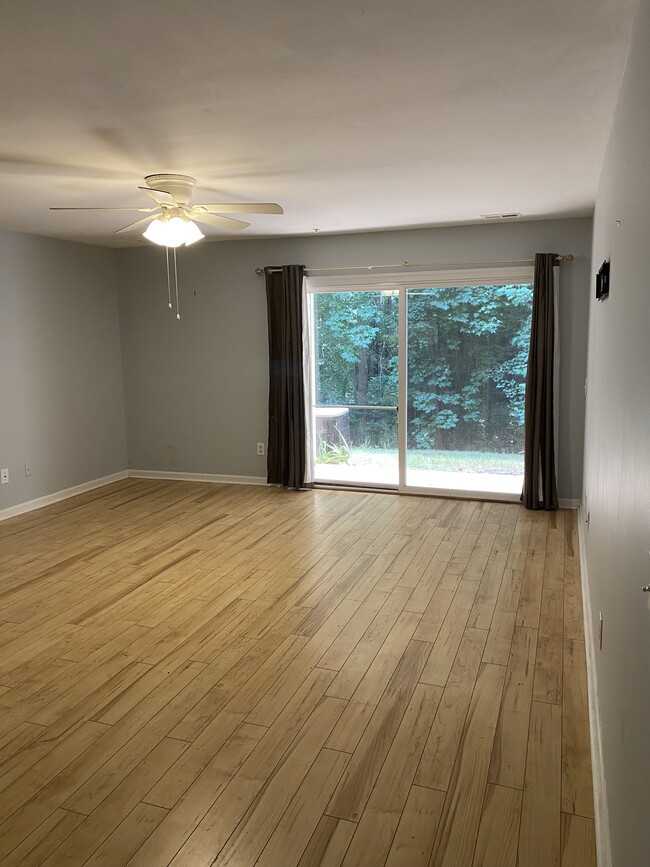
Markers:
point(324, 400)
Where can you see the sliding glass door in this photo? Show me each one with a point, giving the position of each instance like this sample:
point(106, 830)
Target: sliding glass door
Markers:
point(467, 356)
point(420, 386)
point(355, 387)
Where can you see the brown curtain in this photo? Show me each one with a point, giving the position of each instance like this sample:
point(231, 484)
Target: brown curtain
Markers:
point(540, 485)
point(287, 424)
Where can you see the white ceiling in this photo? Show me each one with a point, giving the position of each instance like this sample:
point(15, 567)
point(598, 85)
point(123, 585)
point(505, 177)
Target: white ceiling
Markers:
point(352, 115)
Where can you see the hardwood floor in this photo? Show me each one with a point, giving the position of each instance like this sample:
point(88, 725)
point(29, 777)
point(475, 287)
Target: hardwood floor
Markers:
point(197, 674)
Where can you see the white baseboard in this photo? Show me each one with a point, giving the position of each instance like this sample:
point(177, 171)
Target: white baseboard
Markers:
point(56, 497)
point(197, 477)
point(30, 505)
point(603, 843)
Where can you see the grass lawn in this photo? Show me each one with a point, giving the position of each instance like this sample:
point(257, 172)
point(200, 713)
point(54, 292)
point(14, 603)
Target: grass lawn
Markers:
point(443, 461)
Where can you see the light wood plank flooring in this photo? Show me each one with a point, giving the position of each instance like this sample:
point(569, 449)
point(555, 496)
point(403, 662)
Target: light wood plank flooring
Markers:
point(199, 674)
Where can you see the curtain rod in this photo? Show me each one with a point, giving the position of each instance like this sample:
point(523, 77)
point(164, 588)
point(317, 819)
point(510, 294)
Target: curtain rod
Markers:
point(567, 257)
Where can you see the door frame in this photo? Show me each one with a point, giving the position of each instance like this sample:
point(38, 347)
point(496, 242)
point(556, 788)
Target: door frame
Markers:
point(402, 281)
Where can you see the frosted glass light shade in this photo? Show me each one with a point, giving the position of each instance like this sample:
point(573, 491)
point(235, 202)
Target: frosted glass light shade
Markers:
point(173, 232)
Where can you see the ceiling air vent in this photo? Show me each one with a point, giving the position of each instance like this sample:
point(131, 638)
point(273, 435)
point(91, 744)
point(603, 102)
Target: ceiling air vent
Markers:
point(512, 216)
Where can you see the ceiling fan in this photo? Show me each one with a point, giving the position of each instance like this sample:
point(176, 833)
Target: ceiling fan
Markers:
point(172, 220)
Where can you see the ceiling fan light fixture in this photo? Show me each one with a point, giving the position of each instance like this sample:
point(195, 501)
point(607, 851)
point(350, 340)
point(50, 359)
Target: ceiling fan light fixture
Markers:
point(192, 232)
point(173, 232)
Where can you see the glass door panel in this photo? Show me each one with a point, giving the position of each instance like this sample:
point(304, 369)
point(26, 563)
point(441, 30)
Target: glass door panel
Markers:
point(467, 350)
point(355, 386)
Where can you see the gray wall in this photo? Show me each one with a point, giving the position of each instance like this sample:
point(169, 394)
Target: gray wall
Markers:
point(617, 459)
point(196, 390)
point(61, 393)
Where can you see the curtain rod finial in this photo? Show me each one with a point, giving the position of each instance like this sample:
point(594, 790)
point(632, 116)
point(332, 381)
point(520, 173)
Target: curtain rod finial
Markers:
point(259, 272)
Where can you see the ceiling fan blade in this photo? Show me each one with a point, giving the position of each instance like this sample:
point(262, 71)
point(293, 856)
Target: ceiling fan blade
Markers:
point(139, 224)
point(226, 223)
point(236, 208)
point(144, 210)
point(160, 196)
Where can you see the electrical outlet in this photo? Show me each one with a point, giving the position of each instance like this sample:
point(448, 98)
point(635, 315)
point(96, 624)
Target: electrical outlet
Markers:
point(4, 476)
point(28, 469)
point(260, 449)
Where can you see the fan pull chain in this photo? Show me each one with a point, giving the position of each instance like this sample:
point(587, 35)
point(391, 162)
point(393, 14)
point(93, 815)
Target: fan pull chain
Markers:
point(178, 309)
point(169, 285)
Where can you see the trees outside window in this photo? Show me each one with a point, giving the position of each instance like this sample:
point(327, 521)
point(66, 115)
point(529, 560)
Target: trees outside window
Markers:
point(467, 356)
point(468, 352)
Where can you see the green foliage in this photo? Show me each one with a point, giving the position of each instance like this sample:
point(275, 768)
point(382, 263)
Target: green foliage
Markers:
point(332, 453)
point(467, 350)
point(356, 348)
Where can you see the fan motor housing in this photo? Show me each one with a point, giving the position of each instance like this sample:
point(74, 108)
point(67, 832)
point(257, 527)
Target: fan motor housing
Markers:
point(178, 186)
